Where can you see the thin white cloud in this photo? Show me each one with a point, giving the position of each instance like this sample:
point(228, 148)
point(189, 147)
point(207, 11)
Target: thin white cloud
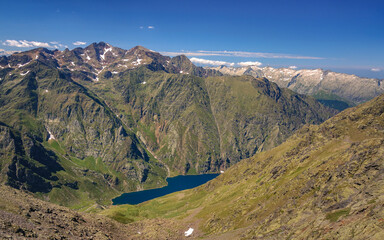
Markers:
point(4, 52)
point(25, 44)
point(246, 64)
point(151, 27)
point(220, 63)
point(58, 45)
point(78, 43)
point(240, 54)
point(292, 67)
point(375, 69)
point(141, 27)
point(210, 62)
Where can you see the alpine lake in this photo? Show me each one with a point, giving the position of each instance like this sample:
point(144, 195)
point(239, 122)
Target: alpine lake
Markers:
point(175, 184)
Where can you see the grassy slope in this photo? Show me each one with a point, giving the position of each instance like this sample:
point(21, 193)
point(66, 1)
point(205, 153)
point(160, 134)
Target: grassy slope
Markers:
point(325, 181)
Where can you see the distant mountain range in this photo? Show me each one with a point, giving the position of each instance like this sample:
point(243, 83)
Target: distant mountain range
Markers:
point(337, 90)
point(100, 120)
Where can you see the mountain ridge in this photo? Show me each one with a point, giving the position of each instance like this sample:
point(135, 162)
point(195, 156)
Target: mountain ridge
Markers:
point(345, 90)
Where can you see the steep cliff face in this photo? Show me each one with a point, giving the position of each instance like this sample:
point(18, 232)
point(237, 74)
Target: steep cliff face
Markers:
point(253, 115)
point(174, 118)
point(323, 182)
point(25, 163)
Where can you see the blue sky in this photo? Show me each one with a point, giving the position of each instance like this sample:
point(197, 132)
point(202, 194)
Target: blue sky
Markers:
point(345, 36)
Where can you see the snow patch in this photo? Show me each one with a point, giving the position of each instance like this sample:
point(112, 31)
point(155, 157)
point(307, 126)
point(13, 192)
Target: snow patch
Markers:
point(22, 65)
point(105, 51)
point(46, 90)
point(188, 232)
point(51, 137)
point(137, 62)
point(73, 64)
point(98, 72)
point(37, 56)
point(88, 58)
point(115, 72)
point(144, 83)
point(23, 74)
point(181, 71)
point(221, 171)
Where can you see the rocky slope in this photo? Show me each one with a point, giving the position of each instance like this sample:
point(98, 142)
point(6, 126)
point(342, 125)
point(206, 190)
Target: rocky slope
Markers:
point(323, 182)
point(86, 124)
point(24, 217)
point(337, 90)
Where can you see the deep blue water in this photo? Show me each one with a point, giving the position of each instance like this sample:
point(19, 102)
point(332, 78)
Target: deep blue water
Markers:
point(175, 184)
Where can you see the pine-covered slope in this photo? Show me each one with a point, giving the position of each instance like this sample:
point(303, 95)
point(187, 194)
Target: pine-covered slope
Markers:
point(324, 182)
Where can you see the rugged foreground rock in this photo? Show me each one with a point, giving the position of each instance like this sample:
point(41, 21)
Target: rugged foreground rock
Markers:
point(24, 217)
